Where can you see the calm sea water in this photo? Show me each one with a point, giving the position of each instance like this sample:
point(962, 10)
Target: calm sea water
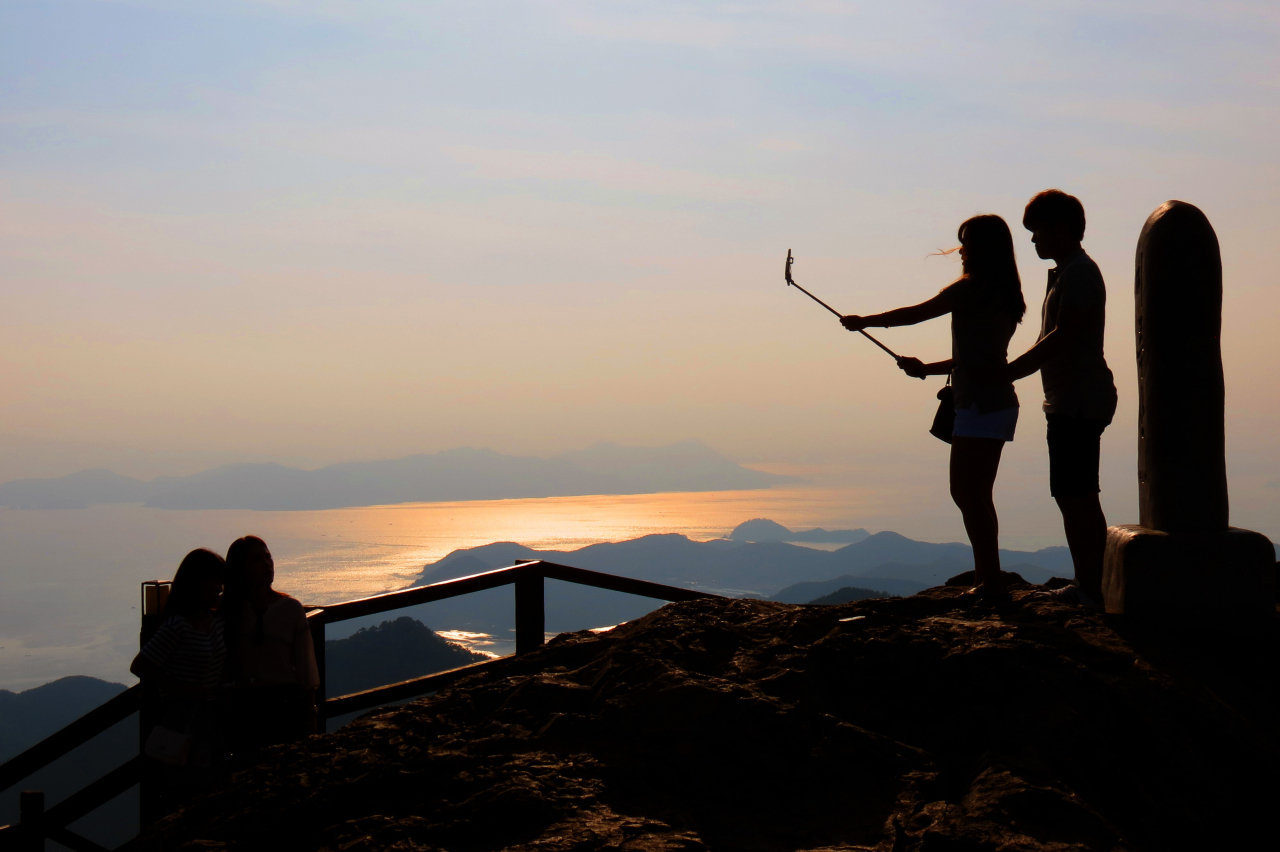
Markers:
point(69, 580)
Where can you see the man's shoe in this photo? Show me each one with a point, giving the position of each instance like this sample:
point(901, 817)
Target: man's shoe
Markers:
point(1075, 596)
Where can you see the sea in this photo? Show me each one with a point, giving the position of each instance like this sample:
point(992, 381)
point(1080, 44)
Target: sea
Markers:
point(70, 579)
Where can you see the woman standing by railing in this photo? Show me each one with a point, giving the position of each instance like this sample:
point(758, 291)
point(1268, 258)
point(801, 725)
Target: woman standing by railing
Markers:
point(273, 662)
point(185, 659)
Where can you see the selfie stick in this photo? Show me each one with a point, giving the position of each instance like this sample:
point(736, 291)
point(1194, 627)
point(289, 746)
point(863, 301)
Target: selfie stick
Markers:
point(792, 283)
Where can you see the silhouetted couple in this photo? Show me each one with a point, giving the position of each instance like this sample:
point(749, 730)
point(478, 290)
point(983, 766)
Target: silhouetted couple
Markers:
point(986, 306)
point(233, 663)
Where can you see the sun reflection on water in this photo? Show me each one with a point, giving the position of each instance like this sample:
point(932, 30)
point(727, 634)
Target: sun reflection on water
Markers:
point(341, 554)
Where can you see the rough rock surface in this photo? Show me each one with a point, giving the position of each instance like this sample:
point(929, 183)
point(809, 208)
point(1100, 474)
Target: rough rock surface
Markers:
point(926, 723)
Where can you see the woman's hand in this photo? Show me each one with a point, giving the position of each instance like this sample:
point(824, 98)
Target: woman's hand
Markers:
point(853, 322)
point(913, 367)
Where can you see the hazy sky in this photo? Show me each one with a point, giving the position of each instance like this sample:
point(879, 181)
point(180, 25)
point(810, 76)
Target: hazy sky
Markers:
point(317, 231)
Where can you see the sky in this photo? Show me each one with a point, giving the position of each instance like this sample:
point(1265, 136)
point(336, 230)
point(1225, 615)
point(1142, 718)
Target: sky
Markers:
point(311, 232)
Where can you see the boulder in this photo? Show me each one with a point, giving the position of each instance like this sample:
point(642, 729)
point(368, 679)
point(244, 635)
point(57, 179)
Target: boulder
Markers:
point(923, 723)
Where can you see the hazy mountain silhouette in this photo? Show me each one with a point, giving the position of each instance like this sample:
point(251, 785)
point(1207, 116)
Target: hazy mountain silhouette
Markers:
point(74, 491)
point(390, 652)
point(886, 562)
point(460, 474)
point(846, 594)
point(810, 591)
point(385, 653)
point(763, 529)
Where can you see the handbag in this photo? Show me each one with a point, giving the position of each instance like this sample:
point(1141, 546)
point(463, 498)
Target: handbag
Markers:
point(944, 421)
point(168, 746)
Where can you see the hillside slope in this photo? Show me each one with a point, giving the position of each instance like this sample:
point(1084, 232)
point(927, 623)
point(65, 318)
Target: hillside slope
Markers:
point(926, 723)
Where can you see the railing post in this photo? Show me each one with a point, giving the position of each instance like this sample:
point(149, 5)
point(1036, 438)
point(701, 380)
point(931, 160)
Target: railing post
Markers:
point(155, 594)
point(31, 818)
point(316, 623)
point(531, 622)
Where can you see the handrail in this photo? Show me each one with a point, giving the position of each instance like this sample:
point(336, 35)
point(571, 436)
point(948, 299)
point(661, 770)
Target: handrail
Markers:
point(77, 733)
point(96, 794)
point(616, 583)
point(501, 577)
point(52, 823)
point(528, 578)
point(379, 695)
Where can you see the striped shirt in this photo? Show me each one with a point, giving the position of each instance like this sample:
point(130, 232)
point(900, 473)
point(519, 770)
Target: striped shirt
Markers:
point(187, 655)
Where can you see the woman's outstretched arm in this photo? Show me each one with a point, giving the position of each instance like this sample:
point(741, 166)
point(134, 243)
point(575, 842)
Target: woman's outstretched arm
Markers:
point(935, 307)
point(917, 369)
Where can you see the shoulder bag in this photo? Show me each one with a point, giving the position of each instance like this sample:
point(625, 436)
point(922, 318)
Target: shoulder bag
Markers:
point(944, 420)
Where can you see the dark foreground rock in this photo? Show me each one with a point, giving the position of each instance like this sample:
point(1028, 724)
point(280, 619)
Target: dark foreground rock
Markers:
point(928, 723)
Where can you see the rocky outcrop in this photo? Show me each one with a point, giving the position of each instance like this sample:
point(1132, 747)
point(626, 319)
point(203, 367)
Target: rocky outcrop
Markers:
point(923, 723)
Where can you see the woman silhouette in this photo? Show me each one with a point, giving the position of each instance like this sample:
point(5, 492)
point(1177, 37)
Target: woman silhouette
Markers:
point(986, 306)
point(184, 659)
point(273, 662)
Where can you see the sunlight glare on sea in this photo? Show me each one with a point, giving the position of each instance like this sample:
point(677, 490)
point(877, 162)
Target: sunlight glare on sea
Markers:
point(347, 553)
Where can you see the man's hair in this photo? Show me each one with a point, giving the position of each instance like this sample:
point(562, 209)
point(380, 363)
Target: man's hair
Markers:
point(1054, 207)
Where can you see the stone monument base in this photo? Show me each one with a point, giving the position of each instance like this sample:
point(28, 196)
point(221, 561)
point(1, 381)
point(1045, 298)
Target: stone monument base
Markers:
point(1223, 579)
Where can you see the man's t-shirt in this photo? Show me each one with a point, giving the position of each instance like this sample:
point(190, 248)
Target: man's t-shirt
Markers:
point(1078, 382)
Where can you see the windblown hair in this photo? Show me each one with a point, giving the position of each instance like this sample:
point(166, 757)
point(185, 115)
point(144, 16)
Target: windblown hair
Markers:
point(197, 568)
point(1054, 207)
point(990, 261)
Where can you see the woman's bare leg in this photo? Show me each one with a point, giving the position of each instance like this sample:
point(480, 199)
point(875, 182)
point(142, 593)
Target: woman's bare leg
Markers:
point(974, 462)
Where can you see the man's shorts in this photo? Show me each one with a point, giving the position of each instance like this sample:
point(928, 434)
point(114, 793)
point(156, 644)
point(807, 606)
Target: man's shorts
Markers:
point(1074, 444)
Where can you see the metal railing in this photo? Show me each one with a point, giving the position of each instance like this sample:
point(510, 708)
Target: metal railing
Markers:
point(527, 576)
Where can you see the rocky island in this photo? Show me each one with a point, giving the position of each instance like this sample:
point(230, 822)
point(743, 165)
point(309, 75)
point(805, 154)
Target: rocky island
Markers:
point(921, 723)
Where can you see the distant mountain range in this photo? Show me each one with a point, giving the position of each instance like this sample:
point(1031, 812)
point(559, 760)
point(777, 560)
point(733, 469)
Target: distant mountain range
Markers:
point(390, 652)
point(763, 529)
point(885, 562)
point(461, 474)
point(845, 594)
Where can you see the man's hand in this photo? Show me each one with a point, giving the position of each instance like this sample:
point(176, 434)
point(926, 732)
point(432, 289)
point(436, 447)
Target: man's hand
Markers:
point(913, 367)
point(853, 322)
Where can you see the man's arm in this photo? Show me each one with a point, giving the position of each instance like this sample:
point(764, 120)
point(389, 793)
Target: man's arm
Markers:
point(1053, 344)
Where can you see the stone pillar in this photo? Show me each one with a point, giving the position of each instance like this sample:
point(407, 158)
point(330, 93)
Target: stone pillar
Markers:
point(1184, 563)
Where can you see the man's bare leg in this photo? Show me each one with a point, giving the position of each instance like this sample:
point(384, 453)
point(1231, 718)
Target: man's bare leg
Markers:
point(1086, 529)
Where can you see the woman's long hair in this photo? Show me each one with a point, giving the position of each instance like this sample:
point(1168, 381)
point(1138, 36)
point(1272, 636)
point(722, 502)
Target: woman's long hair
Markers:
point(186, 595)
point(990, 261)
point(238, 556)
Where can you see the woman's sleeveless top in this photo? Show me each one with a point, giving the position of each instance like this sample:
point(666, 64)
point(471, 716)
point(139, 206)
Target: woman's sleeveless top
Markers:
point(980, 334)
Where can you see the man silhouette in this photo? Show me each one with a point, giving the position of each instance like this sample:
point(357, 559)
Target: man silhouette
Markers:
point(1079, 391)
